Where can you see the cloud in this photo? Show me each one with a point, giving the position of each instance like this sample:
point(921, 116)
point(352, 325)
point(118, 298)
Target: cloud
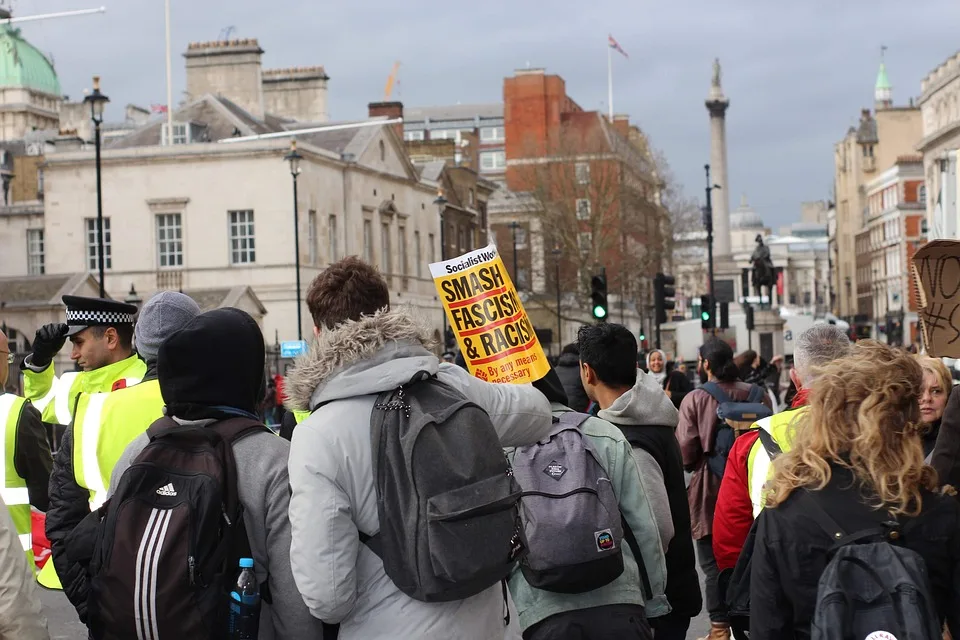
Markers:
point(797, 74)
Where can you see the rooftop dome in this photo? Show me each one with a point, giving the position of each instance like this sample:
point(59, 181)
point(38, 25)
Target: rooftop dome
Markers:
point(743, 217)
point(22, 65)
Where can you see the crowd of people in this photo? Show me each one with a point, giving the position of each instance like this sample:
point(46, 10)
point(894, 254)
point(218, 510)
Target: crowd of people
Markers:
point(800, 520)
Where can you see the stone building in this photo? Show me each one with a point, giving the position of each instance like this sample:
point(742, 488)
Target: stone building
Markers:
point(940, 107)
point(475, 132)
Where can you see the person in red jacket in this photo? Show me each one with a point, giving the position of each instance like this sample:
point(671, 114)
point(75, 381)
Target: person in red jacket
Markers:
point(734, 513)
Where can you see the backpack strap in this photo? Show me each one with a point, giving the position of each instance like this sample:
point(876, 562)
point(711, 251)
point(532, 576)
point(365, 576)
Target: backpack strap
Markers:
point(372, 542)
point(757, 394)
point(771, 446)
point(716, 391)
point(635, 548)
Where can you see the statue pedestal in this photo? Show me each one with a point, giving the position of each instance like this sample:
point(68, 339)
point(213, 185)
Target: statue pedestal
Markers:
point(767, 335)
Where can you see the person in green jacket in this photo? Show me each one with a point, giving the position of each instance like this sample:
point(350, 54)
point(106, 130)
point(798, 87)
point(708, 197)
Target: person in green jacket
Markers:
point(618, 609)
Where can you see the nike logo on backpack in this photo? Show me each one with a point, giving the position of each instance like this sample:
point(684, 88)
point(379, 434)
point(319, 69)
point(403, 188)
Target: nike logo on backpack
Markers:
point(167, 490)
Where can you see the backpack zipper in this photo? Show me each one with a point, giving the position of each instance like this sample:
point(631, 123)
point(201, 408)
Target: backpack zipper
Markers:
point(192, 565)
point(544, 494)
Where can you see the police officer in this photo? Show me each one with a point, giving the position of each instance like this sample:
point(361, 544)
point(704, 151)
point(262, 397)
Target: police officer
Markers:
point(25, 456)
point(101, 332)
point(104, 424)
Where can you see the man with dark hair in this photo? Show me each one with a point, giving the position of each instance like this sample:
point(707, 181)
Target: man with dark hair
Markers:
point(635, 402)
point(364, 348)
point(568, 369)
point(697, 433)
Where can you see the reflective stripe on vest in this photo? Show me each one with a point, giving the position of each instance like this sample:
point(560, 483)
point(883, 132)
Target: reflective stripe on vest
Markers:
point(61, 401)
point(88, 471)
point(758, 461)
point(14, 489)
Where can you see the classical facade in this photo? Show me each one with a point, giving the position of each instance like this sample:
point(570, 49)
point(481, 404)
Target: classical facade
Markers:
point(940, 106)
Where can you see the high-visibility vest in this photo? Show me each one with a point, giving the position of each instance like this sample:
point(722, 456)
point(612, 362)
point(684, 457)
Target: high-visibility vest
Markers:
point(758, 460)
point(56, 398)
point(14, 490)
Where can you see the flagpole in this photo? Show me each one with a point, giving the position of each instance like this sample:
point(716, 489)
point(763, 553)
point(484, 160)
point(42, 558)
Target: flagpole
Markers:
point(610, 81)
point(169, 78)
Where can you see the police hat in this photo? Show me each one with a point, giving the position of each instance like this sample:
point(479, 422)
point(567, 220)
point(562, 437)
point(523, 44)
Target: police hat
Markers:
point(96, 312)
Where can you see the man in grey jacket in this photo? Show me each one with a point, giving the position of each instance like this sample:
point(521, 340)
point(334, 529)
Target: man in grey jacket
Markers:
point(211, 370)
point(363, 348)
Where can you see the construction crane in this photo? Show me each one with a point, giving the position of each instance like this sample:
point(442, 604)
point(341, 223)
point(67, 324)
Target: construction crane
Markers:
point(46, 16)
point(391, 80)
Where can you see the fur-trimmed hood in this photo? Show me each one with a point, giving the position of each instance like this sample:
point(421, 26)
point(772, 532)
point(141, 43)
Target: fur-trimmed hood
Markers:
point(361, 357)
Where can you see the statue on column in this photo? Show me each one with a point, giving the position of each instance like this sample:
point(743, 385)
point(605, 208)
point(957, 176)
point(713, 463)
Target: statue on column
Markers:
point(763, 271)
point(716, 72)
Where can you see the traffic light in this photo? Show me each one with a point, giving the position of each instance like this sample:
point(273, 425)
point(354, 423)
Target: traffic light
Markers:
point(663, 292)
point(750, 322)
point(598, 296)
point(643, 336)
point(724, 315)
point(707, 320)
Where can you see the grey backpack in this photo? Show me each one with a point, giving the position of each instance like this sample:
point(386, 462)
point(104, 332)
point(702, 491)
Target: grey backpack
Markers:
point(446, 496)
point(571, 515)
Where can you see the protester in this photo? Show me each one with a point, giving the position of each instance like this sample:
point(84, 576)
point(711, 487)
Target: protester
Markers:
point(857, 459)
point(21, 614)
point(105, 423)
point(363, 348)
point(697, 434)
point(740, 498)
point(946, 452)
point(568, 368)
point(618, 609)
point(937, 384)
point(212, 370)
point(634, 401)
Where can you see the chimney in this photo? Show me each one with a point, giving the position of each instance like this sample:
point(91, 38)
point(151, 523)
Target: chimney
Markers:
point(227, 68)
point(389, 109)
point(621, 124)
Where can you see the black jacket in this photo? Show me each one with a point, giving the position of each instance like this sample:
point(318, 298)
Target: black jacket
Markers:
point(568, 368)
point(790, 554)
point(679, 386)
point(946, 454)
point(683, 583)
point(31, 456)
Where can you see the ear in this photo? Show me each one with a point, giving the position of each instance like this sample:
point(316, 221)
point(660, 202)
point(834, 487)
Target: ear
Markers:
point(316, 331)
point(795, 377)
point(112, 338)
point(589, 375)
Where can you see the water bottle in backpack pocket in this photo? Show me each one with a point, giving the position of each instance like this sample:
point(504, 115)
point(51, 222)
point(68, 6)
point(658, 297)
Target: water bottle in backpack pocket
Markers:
point(571, 516)
point(243, 622)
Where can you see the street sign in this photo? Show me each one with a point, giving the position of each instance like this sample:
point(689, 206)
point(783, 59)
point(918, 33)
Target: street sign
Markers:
point(292, 348)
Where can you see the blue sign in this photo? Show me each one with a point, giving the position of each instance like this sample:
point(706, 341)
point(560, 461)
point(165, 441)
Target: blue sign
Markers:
point(292, 348)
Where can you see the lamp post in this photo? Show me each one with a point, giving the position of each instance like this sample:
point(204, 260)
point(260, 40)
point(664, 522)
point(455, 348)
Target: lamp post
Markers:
point(133, 297)
point(293, 157)
point(516, 274)
point(97, 102)
point(441, 203)
point(556, 255)
point(708, 223)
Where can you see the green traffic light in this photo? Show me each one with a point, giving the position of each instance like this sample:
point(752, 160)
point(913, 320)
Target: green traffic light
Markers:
point(704, 315)
point(642, 337)
point(599, 312)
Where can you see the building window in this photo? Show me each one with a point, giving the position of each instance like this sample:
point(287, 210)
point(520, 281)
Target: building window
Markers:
point(39, 182)
point(444, 134)
point(181, 133)
point(433, 249)
point(921, 194)
point(383, 151)
point(582, 169)
point(583, 209)
point(473, 198)
point(386, 259)
point(412, 136)
point(312, 237)
point(368, 241)
point(492, 160)
point(242, 245)
point(92, 254)
point(169, 240)
point(585, 241)
point(521, 235)
point(332, 233)
point(35, 266)
point(491, 134)
point(522, 278)
point(402, 248)
point(419, 254)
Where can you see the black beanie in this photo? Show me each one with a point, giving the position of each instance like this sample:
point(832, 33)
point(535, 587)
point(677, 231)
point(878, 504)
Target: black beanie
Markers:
point(216, 360)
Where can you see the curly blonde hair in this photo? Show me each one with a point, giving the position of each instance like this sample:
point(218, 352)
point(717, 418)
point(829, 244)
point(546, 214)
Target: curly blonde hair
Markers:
point(863, 415)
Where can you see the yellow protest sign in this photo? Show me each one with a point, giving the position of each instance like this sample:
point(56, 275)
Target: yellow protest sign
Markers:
point(495, 335)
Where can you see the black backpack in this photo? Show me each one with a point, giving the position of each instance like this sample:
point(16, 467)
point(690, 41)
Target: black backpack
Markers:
point(170, 538)
point(872, 587)
point(447, 501)
point(733, 417)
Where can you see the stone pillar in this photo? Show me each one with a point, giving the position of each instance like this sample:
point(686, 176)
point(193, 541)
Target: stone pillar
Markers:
point(717, 105)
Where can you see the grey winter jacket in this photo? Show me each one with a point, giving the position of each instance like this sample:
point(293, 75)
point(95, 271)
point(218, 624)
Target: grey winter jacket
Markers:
point(21, 615)
point(331, 476)
point(265, 494)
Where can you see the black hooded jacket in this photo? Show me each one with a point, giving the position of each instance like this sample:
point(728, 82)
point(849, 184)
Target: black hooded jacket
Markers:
point(568, 369)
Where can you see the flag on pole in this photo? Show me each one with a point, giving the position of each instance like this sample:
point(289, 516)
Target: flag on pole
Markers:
point(616, 46)
point(158, 108)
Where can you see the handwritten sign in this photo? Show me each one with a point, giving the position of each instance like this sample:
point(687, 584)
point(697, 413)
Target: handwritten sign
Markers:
point(495, 335)
point(936, 270)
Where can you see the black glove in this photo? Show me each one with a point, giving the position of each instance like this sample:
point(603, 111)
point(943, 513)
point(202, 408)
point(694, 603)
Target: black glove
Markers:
point(47, 343)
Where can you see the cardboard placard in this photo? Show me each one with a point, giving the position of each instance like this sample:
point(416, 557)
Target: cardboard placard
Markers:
point(496, 337)
point(936, 272)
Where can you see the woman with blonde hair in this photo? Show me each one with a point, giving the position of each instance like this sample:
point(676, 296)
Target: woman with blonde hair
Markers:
point(857, 462)
point(937, 384)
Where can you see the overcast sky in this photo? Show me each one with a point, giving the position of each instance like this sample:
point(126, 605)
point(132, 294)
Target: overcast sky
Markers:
point(796, 73)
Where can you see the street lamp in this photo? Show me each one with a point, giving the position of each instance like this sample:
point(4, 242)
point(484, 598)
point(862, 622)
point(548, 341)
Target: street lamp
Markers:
point(441, 203)
point(294, 159)
point(97, 102)
point(133, 297)
point(556, 256)
point(515, 225)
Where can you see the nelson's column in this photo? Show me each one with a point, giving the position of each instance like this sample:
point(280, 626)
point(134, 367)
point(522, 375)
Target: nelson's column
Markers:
point(717, 105)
